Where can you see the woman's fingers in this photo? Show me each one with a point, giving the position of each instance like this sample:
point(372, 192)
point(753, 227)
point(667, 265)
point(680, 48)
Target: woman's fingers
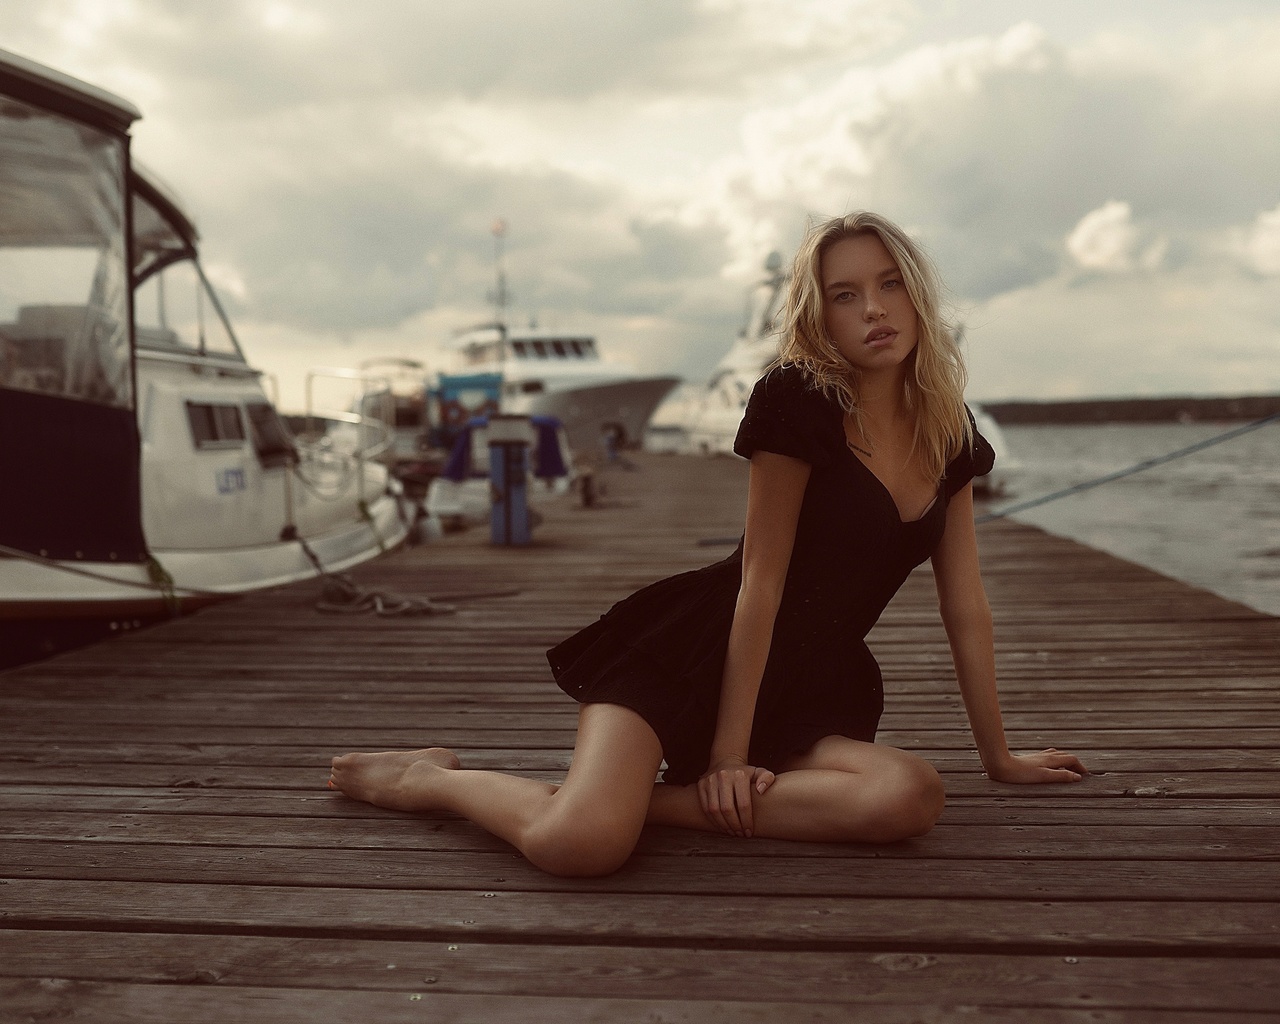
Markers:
point(709, 790)
point(726, 795)
point(727, 792)
point(1054, 758)
point(719, 802)
point(742, 801)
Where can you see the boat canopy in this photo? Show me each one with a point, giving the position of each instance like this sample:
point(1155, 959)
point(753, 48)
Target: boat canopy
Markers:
point(69, 450)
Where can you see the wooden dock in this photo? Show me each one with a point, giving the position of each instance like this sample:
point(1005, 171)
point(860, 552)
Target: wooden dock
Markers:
point(168, 851)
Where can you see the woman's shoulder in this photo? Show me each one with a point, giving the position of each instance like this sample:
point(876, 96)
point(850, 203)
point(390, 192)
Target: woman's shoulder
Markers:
point(788, 382)
point(788, 415)
point(974, 459)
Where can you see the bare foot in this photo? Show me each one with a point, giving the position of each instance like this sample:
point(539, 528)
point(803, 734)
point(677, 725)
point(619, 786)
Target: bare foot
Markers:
point(403, 780)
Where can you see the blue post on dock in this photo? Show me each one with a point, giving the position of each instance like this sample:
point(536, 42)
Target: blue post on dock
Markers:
point(509, 440)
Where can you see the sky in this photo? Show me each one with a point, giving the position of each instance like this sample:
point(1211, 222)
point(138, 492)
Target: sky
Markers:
point(1098, 182)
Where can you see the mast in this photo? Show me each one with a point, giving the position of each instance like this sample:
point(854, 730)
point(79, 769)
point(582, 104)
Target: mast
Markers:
point(500, 296)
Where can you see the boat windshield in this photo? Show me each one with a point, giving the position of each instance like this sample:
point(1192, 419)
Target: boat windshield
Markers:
point(174, 309)
point(64, 282)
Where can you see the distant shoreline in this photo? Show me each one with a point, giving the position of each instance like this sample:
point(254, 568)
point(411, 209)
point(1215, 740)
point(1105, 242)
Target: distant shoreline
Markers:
point(1184, 409)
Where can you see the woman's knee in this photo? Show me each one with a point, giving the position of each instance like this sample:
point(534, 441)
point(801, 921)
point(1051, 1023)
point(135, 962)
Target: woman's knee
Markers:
point(579, 846)
point(911, 799)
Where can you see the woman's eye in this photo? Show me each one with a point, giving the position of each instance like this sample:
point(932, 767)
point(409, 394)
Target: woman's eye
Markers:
point(892, 283)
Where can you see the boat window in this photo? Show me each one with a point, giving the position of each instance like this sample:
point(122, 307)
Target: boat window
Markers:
point(64, 300)
point(519, 348)
point(481, 354)
point(174, 310)
point(576, 348)
point(215, 425)
point(532, 387)
point(588, 348)
point(558, 348)
point(271, 438)
point(540, 349)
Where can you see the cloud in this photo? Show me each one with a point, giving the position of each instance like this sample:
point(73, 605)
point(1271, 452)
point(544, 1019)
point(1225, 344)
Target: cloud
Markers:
point(1198, 330)
point(345, 161)
point(1259, 244)
point(1106, 239)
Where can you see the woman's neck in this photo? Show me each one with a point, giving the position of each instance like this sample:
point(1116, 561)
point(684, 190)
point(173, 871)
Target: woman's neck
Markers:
point(883, 398)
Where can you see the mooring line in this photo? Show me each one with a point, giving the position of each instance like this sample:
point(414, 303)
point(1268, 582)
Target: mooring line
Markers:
point(1137, 467)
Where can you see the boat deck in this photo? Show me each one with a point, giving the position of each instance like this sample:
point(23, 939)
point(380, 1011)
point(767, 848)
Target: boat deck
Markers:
point(168, 850)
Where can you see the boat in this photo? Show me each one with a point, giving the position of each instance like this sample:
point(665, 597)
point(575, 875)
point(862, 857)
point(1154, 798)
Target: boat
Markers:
point(718, 411)
point(562, 374)
point(532, 372)
point(146, 470)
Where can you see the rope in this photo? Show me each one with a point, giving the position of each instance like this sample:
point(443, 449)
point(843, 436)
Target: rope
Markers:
point(1137, 467)
point(161, 577)
point(340, 595)
point(1086, 485)
point(367, 516)
point(161, 581)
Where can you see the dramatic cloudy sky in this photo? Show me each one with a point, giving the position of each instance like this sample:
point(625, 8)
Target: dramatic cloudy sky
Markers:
point(1098, 181)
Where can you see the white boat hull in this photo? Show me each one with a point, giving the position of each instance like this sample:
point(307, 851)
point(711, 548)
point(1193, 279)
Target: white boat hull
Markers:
point(587, 412)
point(77, 590)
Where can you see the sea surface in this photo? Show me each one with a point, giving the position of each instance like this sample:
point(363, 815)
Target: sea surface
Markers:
point(1211, 519)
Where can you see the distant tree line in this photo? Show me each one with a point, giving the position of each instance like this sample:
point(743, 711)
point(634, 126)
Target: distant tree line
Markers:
point(1135, 410)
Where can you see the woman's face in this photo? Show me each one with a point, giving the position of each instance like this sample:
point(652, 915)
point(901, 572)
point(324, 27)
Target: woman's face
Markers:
point(868, 313)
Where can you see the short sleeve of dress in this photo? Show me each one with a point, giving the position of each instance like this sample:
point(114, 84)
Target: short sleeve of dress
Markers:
point(784, 415)
point(970, 462)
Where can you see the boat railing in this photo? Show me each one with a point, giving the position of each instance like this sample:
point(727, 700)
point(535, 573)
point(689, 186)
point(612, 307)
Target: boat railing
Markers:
point(331, 455)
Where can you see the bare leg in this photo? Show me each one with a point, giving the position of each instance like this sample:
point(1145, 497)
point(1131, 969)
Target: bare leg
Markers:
point(840, 790)
point(587, 826)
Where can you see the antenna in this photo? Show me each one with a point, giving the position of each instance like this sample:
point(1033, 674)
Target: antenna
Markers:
point(500, 297)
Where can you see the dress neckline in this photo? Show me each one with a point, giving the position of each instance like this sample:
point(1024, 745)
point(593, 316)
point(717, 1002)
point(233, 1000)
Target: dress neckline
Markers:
point(937, 494)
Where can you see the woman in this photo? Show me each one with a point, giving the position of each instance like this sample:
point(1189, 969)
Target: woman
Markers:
point(750, 677)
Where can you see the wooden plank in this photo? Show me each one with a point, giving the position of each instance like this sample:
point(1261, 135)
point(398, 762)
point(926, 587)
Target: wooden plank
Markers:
point(341, 738)
point(745, 921)
point(646, 972)
point(1025, 807)
point(1203, 874)
point(408, 832)
point(93, 750)
point(163, 1004)
point(124, 717)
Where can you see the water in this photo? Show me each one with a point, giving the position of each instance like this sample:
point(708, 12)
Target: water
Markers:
point(1211, 519)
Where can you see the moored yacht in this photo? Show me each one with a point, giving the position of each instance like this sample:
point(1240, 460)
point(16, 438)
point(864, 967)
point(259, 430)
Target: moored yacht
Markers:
point(719, 409)
point(144, 466)
point(562, 374)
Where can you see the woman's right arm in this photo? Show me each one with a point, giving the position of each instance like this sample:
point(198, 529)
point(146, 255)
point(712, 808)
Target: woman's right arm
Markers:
point(774, 496)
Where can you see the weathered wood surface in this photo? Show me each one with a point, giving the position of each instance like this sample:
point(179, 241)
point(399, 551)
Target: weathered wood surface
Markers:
point(168, 851)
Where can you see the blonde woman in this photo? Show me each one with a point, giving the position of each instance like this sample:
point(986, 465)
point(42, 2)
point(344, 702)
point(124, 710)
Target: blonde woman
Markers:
point(750, 677)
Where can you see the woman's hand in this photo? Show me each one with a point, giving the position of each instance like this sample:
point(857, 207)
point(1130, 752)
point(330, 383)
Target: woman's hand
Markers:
point(726, 791)
point(1050, 765)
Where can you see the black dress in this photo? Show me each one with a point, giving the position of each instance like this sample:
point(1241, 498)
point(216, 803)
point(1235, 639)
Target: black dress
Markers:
point(661, 651)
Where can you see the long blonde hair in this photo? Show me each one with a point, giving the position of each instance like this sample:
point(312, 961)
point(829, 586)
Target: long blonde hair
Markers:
point(936, 375)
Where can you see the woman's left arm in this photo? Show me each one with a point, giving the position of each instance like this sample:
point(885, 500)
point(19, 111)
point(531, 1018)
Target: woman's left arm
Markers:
point(966, 615)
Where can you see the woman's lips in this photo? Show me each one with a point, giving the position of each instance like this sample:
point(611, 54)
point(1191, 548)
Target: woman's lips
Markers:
point(881, 337)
